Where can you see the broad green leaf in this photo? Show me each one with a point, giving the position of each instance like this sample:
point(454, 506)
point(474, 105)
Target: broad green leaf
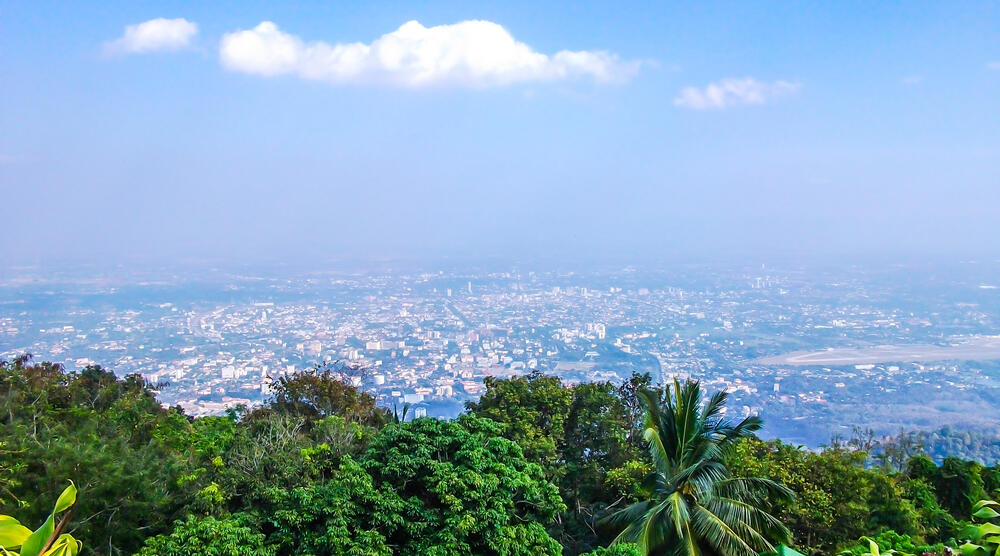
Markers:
point(34, 544)
point(65, 545)
point(12, 533)
point(969, 549)
point(971, 532)
point(985, 504)
point(988, 529)
point(986, 513)
point(873, 547)
point(66, 499)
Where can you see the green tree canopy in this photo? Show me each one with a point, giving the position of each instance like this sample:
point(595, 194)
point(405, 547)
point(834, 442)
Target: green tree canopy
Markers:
point(695, 505)
point(532, 410)
point(327, 389)
point(209, 536)
point(101, 431)
point(425, 487)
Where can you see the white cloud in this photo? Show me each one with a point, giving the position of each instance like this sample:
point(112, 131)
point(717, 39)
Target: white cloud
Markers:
point(993, 66)
point(468, 53)
point(734, 92)
point(153, 36)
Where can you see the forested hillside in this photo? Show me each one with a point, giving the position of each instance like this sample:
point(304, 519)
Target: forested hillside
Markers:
point(981, 446)
point(533, 467)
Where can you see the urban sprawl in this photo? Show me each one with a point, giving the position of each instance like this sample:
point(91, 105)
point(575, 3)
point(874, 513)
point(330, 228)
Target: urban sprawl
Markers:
point(429, 339)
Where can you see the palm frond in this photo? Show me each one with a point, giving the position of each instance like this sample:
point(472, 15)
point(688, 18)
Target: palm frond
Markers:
point(740, 487)
point(694, 504)
point(719, 534)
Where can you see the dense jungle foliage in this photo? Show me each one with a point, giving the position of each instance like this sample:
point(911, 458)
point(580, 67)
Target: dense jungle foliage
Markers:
point(533, 467)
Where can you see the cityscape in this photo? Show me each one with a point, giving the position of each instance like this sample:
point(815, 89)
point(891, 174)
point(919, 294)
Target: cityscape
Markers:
point(916, 348)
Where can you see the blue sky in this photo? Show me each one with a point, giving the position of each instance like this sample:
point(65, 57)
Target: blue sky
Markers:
point(671, 130)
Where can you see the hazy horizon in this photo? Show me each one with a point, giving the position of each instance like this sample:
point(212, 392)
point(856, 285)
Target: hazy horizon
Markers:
point(179, 130)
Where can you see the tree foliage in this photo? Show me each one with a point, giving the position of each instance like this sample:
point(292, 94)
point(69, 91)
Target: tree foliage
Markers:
point(580, 435)
point(425, 487)
point(534, 467)
point(100, 430)
point(532, 410)
point(327, 389)
point(695, 505)
point(209, 536)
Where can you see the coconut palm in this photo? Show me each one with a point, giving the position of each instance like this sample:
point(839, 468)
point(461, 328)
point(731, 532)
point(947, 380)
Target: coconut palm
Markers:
point(695, 506)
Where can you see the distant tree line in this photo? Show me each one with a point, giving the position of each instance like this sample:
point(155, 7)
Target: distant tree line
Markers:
point(971, 444)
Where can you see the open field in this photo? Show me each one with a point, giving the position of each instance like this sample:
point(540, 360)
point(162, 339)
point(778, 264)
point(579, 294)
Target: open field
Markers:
point(970, 349)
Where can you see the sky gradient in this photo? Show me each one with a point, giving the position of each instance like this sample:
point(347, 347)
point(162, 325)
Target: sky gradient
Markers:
point(266, 131)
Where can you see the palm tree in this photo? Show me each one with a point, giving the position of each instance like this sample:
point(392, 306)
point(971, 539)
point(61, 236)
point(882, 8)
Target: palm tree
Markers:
point(695, 506)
